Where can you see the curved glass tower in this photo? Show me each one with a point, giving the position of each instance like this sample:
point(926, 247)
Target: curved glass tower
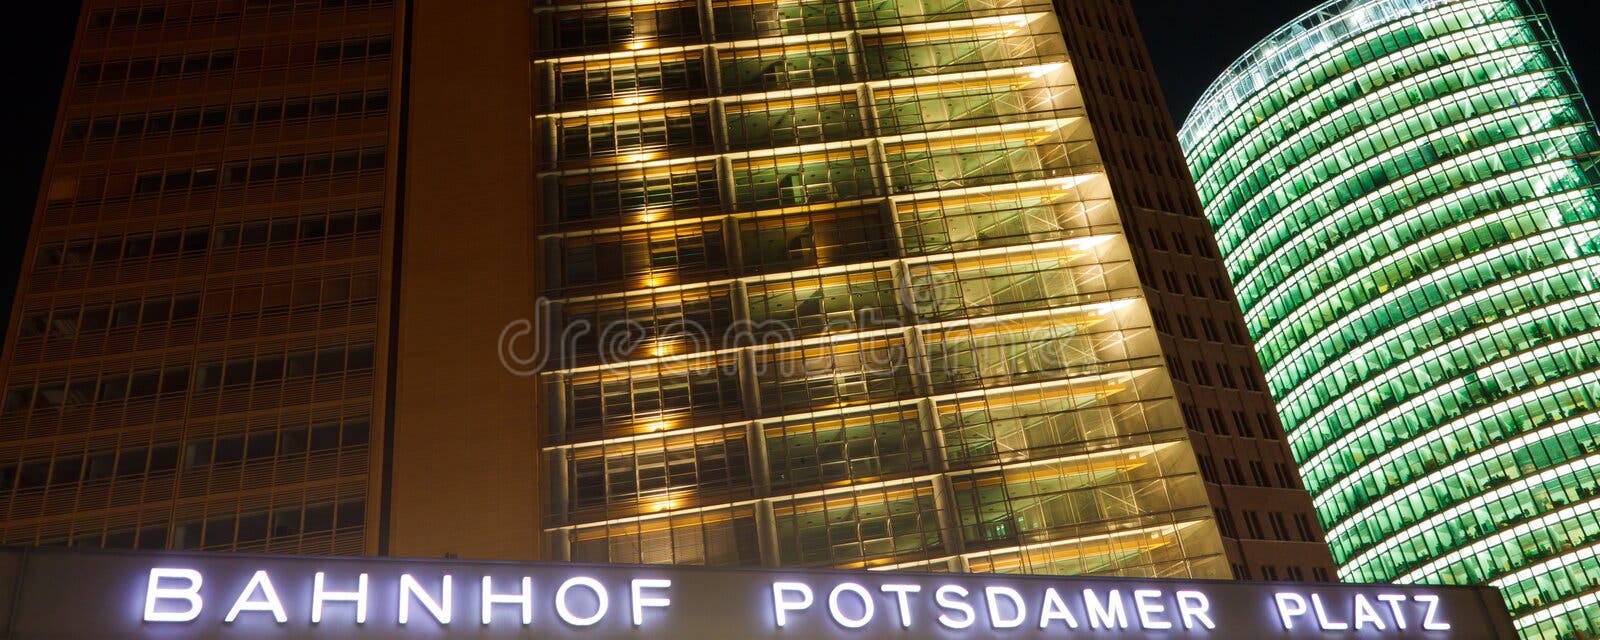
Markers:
point(1405, 193)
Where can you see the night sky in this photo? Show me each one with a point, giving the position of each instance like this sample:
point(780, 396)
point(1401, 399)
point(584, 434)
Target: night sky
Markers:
point(37, 38)
point(1190, 42)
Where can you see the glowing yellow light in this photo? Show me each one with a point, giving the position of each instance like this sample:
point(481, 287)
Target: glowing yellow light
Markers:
point(659, 425)
point(662, 505)
point(650, 217)
point(660, 350)
point(1108, 308)
point(638, 44)
point(1044, 70)
point(658, 280)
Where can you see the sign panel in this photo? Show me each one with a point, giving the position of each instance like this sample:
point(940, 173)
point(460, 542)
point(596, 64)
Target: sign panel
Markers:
point(68, 594)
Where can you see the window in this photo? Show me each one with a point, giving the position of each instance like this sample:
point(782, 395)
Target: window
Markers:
point(1252, 522)
point(813, 65)
point(67, 323)
point(770, 124)
point(898, 57)
point(579, 29)
point(661, 255)
point(795, 308)
point(661, 324)
point(852, 527)
point(785, 181)
point(1279, 530)
point(148, 68)
point(646, 75)
point(1225, 523)
point(353, 49)
point(815, 453)
point(792, 380)
point(819, 239)
point(177, 379)
point(316, 165)
point(1302, 525)
point(655, 469)
point(635, 133)
point(632, 399)
point(675, 189)
point(741, 20)
point(725, 537)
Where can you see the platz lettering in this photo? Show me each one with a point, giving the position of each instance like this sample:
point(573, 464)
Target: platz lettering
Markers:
point(1382, 612)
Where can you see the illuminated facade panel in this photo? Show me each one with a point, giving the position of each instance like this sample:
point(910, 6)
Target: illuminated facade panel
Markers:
point(1405, 194)
point(843, 284)
point(887, 284)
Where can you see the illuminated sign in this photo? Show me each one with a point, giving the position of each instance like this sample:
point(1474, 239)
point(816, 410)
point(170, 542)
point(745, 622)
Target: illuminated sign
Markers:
point(110, 594)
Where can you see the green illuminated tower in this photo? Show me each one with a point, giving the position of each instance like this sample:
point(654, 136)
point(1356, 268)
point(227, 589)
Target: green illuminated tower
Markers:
point(1404, 192)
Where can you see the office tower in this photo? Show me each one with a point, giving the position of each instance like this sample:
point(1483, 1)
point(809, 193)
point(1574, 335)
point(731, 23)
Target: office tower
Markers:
point(1404, 193)
point(862, 284)
point(857, 284)
point(190, 360)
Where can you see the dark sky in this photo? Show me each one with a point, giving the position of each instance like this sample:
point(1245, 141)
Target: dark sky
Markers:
point(1190, 42)
point(37, 37)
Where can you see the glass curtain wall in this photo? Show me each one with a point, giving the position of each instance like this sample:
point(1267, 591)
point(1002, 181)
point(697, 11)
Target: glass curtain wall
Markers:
point(1405, 193)
point(193, 362)
point(841, 284)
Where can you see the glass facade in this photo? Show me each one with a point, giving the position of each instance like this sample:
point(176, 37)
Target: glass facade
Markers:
point(1407, 198)
point(841, 283)
point(193, 361)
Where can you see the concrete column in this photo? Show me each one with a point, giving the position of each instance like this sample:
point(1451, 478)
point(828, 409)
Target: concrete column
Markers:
point(559, 545)
point(547, 73)
point(740, 292)
point(733, 245)
point(725, 184)
point(917, 360)
point(551, 344)
point(560, 489)
point(879, 159)
point(866, 98)
point(949, 519)
point(719, 125)
point(713, 69)
point(708, 25)
point(550, 130)
point(555, 394)
point(749, 392)
point(932, 436)
point(886, 213)
point(853, 48)
point(904, 294)
point(767, 533)
point(755, 435)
